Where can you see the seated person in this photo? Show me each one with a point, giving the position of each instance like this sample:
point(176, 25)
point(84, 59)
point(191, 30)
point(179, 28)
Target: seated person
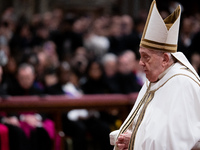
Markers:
point(27, 130)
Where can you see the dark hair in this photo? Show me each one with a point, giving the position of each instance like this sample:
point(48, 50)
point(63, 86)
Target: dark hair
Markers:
point(97, 61)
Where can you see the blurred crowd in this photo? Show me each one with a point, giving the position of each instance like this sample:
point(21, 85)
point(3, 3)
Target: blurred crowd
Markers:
point(66, 53)
point(58, 53)
point(74, 52)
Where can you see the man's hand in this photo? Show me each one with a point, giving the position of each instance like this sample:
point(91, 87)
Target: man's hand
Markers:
point(123, 140)
point(13, 120)
point(34, 120)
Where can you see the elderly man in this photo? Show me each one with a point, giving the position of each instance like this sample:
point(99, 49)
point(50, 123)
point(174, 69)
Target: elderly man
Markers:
point(166, 113)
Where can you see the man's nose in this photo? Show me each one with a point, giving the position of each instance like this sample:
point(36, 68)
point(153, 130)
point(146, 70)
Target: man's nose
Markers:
point(141, 63)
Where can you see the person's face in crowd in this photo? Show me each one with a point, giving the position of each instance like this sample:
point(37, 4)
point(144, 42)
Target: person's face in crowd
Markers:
point(81, 51)
point(25, 31)
point(131, 58)
point(46, 18)
point(80, 61)
point(11, 66)
point(64, 76)
point(42, 57)
point(95, 71)
point(115, 27)
point(64, 73)
point(126, 63)
point(43, 33)
point(127, 24)
point(123, 65)
point(50, 79)
point(110, 68)
point(26, 77)
point(81, 25)
point(152, 63)
point(74, 79)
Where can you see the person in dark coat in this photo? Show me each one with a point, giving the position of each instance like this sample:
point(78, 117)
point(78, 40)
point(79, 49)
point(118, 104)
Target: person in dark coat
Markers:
point(24, 82)
point(38, 139)
point(73, 128)
point(98, 125)
point(95, 81)
point(109, 62)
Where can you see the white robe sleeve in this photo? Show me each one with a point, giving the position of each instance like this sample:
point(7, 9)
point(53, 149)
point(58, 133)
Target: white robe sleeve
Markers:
point(113, 137)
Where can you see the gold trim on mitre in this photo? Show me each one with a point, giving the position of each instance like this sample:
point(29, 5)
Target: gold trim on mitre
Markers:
point(161, 34)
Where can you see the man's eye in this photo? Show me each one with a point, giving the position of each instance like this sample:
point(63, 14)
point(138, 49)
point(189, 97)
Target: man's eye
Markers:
point(146, 57)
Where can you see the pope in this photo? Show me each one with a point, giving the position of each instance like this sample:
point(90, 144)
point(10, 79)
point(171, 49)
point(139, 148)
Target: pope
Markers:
point(166, 114)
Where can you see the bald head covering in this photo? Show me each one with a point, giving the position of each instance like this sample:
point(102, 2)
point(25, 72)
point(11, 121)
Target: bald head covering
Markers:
point(161, 34)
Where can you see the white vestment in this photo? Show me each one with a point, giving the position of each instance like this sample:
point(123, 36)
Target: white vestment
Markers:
point(171, 120)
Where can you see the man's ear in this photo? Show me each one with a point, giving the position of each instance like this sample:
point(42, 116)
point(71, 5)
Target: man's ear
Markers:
point(165, 59)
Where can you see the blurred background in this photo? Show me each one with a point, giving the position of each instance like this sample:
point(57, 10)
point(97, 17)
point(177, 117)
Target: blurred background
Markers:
point(99, 7)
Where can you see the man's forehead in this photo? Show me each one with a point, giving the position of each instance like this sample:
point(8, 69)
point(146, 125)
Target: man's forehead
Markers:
point(148, 51)
point(144, 50)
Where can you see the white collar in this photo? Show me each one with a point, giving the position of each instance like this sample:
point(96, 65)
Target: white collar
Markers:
point(164, 72)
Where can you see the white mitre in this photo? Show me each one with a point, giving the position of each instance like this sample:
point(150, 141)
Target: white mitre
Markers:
point(162, 34)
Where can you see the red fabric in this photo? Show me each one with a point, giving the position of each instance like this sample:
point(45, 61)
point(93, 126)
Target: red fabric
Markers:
point(57, 142)
point(26, 128)
point(50, 128)
point(4, 137)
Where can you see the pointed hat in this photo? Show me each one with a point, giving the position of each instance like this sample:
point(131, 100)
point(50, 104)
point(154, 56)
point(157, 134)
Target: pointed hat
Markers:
point(161, 34)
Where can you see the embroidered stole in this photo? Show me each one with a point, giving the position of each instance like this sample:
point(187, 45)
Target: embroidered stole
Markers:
point(147, 100)
point(144, 101)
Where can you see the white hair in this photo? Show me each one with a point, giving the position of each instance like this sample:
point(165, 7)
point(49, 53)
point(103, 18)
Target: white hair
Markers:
point(108, 57)
point(171, 58)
